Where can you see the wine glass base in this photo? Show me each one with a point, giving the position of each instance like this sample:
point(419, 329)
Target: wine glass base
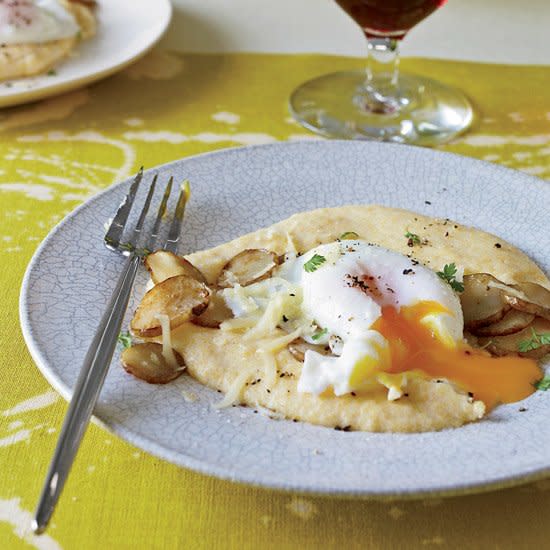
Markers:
point(334, 105)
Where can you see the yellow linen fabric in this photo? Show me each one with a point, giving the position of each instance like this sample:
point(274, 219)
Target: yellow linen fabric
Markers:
point(58, 152)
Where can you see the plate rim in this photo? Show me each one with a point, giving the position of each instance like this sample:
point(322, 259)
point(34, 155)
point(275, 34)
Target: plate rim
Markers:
point(209, 468)
point(44, 91)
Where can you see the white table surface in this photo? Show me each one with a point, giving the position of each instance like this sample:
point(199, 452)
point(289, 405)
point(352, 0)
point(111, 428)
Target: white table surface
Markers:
point(496, 31)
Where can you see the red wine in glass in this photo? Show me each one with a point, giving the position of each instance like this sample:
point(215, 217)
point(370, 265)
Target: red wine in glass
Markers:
point(379, 102)
point(392, 18)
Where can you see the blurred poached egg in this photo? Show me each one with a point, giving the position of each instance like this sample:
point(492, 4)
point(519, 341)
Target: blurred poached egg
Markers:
point(26, 21)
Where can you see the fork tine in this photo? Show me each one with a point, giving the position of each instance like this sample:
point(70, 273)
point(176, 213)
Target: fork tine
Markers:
point(161, 211)
point(175, 228)
point(114, 233)
point(134, 239)
point(131, 245)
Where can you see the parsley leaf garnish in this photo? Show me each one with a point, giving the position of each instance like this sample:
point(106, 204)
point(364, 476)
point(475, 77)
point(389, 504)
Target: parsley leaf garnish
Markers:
point(535, 342)
point(314, 263)
point(348, 235)
point(319, 334)
point(125, 338)
point(413, 238)
point(544, 384)
point(449, 275)
point(51, 72)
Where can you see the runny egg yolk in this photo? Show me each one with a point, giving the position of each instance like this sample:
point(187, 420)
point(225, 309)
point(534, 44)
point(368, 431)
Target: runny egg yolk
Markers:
point(414, 346)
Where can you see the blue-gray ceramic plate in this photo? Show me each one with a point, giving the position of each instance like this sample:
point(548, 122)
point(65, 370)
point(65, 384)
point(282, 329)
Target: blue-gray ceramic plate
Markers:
point(239, 190)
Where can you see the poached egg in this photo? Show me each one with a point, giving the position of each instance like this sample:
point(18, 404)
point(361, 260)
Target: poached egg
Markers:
point(28, 21)
point(347, 288)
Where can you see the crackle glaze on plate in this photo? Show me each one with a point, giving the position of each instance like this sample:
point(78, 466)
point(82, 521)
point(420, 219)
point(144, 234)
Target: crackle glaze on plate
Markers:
point(125, 31)
point(239, 190)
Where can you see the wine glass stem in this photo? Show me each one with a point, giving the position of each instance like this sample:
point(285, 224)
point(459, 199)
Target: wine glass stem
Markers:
point(381, 93)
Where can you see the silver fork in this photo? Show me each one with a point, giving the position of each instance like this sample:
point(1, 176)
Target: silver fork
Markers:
point(100, 352)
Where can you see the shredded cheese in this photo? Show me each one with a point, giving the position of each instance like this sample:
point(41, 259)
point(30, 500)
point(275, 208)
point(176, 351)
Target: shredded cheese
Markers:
point(239, 323)
point(242, 300)
point(291, 246)
point(234, 394)
point(269, 320)
point(189, 396)
point(259, 309)
point(270, 367)
point(167, 350)
point(276, 344)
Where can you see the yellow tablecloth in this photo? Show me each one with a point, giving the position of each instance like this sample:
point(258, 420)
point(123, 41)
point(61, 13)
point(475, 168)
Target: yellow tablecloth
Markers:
point(58, 152)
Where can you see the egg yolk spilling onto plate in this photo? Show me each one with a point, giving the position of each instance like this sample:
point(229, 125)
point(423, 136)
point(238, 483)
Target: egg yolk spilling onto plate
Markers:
point(413, 347)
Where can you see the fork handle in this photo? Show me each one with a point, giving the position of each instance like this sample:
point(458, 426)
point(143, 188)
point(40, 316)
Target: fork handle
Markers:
point(89, 384)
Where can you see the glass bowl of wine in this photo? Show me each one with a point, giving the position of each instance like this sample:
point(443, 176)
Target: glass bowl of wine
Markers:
point(380, 102)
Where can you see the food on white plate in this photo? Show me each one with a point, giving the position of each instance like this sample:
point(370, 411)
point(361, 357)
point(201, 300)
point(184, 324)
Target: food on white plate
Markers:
point(299, 347)
point(532, 341)
point(512, 322)
point(163, 265)
point(354, 318)
point(148, 361)
point(529, 297)
point(35, 35)
point(247, 267)
point(178, 298)
point(483, 303)
point(215, 314)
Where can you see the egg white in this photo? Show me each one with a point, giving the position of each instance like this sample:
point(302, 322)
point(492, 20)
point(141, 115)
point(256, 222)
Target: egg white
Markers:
point(35, 22)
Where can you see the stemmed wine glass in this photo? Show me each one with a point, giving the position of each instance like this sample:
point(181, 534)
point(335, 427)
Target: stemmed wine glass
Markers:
point(380, 103)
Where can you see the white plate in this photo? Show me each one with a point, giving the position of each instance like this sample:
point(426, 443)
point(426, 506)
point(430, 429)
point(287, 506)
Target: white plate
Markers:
point(237, 191)
point(126, 30)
